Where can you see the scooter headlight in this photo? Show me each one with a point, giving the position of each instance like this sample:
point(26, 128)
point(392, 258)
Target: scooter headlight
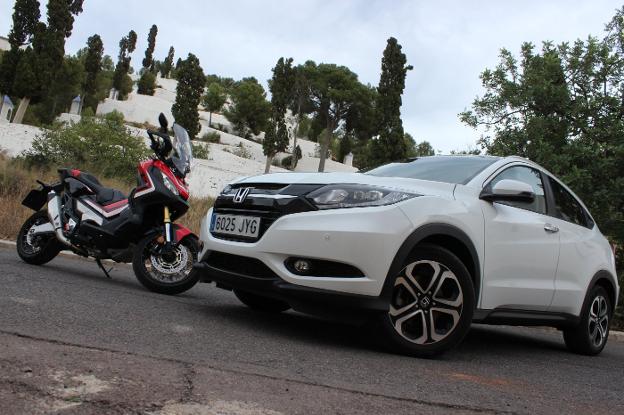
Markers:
point(356, 195)
point(169, 185)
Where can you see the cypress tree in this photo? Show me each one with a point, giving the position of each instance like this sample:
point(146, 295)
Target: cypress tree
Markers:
point(48, 42)
point(276, 137)
point(93, 66)
point(391, 145)
point(127, 45)
point(191, 82)
point(165, 70)
point(148, 61)
point(26, 15)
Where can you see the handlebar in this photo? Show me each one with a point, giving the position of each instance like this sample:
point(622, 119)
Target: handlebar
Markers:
point(161, 151)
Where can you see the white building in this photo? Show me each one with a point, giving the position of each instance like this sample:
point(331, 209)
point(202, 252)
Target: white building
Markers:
point(6, 109)
point(4, 43)
point(76, 106)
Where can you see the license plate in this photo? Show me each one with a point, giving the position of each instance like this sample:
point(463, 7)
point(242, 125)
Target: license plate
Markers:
point(236, 225)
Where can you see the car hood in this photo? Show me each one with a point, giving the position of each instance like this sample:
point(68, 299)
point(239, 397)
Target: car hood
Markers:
point(423, 187)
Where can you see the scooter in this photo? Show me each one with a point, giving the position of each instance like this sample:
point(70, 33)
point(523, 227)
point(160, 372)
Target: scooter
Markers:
point(91, 220)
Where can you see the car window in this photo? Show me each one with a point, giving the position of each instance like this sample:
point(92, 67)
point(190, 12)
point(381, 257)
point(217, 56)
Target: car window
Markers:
point(527, 175)
point(446, 169)
point(567, 207)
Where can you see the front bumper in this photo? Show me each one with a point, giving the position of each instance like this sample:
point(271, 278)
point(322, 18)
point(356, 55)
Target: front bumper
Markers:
point(366, 238)
point(352, 307)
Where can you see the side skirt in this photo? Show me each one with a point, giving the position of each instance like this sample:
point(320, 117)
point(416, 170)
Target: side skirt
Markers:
point(512, 317)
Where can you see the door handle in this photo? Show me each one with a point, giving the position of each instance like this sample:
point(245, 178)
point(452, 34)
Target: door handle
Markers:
point(551, 228)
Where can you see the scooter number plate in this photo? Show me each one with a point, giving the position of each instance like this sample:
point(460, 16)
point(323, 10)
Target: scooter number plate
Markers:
point(235, 225)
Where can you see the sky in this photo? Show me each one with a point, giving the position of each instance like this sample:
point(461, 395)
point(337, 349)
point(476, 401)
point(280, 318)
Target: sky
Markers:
point(449, 43)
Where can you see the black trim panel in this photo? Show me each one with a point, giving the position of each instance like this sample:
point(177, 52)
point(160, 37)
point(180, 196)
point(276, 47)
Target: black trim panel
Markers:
point(513, 317)
point(351, 307)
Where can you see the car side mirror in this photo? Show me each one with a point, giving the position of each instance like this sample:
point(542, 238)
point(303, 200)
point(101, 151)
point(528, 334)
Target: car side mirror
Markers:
point(163, 122)
point(509, 190)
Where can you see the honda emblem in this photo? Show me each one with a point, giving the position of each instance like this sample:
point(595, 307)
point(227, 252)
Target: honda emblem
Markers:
point(241, 194)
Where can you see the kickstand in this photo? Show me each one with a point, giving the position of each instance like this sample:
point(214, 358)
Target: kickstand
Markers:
point(104, 269)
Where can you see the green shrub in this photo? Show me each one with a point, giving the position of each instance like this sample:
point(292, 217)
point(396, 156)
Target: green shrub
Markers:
point(200, 151)
point(103, 146)
point(211, 137)
point(286, 162)
point(240, 151)
point(147, 83)
point(220, 127)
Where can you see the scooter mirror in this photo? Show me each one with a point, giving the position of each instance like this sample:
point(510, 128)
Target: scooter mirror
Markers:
point(163, 122)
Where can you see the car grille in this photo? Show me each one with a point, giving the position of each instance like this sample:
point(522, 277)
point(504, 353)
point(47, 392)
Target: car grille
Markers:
point(266, 202)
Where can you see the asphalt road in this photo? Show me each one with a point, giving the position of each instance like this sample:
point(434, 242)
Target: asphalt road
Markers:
point(73, 341)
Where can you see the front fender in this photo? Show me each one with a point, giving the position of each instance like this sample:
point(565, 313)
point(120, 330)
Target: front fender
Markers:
point(182, 232)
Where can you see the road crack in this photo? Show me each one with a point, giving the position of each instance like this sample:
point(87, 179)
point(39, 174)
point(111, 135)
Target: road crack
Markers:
point(190, 373)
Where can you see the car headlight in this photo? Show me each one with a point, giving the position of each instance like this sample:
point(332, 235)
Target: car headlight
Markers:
point(169, 184)
point(356, 195)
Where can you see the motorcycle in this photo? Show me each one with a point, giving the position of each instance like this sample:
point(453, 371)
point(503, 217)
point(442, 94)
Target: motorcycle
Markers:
point(91, 220)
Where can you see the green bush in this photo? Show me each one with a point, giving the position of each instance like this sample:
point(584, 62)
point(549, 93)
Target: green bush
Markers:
point(103, 146)
point(147, 84)
point(220, 127)
point(200, 151)
point(211, 137)
point(286, 162)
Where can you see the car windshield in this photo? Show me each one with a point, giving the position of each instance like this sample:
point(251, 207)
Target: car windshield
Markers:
point(447, 169)
point(183, 153)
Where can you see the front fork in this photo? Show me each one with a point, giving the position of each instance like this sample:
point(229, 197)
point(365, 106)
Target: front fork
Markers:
point(165, 243)
point(167, 220)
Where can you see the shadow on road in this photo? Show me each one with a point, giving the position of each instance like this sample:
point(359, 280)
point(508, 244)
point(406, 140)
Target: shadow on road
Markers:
point(498, 342)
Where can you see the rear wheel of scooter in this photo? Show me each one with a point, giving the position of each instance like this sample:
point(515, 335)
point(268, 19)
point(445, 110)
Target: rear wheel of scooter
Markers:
point(169, 273)
point(37, 249)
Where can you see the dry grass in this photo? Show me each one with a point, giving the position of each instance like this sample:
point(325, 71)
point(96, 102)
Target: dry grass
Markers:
point(193, 218)
point(16, 181)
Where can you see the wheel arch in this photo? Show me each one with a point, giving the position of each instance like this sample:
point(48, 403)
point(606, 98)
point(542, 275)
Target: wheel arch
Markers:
point(447, 236)
point(606, 280)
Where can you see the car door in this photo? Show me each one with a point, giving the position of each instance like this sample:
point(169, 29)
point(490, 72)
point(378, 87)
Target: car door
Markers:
point(521, 247)
point(578, 249)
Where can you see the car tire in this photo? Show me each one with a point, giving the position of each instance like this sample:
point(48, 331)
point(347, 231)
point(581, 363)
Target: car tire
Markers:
point(45, 249)
point(431, 305)
point(260, 303)
point(590, 336)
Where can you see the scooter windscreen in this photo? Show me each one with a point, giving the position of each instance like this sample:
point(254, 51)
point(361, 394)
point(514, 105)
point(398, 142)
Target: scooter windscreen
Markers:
point(183, 153)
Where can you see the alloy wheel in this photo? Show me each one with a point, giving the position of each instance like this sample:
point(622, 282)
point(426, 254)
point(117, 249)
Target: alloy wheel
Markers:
point(171, 267)
point(598, 321)
point(427, 302)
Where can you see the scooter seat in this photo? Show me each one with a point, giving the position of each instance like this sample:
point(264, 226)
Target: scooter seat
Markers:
point(103, 195)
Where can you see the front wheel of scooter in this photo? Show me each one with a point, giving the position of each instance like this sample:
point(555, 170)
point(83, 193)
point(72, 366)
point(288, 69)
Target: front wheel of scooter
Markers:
point(169, 273)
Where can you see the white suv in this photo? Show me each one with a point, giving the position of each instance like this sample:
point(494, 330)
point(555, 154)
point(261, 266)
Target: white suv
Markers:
point(422, 248)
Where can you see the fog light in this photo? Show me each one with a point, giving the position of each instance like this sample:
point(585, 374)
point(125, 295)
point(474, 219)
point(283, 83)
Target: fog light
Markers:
point(302, 266)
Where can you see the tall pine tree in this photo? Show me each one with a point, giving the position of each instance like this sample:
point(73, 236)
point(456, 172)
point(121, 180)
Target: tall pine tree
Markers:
point(281, 87)
point(391, 145)
point(147, 82)
point(148, 61)
point(26, 15)
point(167, 65)
point(190, 88)
point(121, 80)
point(48, 43)
point(93, 66)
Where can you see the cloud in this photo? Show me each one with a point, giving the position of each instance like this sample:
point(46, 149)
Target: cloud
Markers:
point(448, 42)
